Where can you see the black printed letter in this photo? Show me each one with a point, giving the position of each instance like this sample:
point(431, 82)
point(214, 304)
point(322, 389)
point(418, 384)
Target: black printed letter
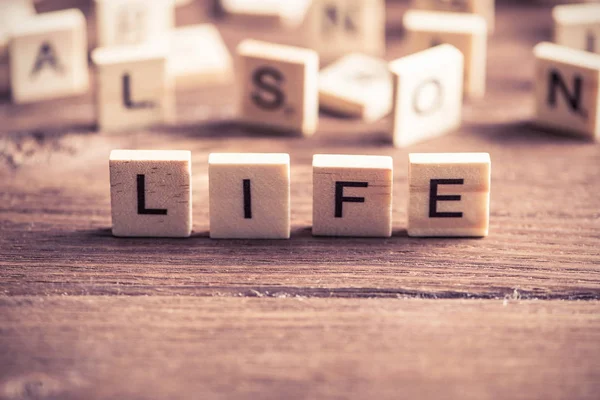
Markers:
point(141, 197)
point(574, 101)
point(127, 101)
point(268, 79)
point(46, 55)
point(340, 199)
point(247, 200)
point(434, 198)
point(432, 105)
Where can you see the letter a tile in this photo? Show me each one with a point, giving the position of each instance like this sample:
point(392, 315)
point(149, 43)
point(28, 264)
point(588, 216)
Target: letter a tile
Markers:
point(48, 56)
point(352, 195)
point(449, 194)
point(151, 193)
point(279, 86)
point(249, 196)
point(567, 83)
point(428, 89)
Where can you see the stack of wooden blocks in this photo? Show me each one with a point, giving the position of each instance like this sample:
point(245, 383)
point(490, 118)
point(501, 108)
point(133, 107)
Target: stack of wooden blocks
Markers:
point(143, 59)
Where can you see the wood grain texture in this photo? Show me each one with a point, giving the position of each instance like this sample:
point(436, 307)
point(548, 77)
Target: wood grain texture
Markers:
point(228, 348)
point(87, 315)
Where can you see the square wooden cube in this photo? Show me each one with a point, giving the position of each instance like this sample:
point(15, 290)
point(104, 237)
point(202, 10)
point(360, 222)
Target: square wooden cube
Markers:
point(151, 193)
point(134, 88)
point(249, 196)
point(485, 8)
point(577, 26)
point(48, 56)
point(567, 83)
point(128, 22)
point(288, 13)
point(279, 86)
point(467, 32)
point(337, 27)
point(357, 85)
point(12, 13)
point(428, 92)
point(352, 195)
point(449, 194)
point(199, 57)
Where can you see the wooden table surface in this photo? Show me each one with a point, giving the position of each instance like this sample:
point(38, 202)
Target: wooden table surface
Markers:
point(84, 315)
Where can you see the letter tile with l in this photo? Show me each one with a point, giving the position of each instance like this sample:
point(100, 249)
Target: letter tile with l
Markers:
point(151, 193)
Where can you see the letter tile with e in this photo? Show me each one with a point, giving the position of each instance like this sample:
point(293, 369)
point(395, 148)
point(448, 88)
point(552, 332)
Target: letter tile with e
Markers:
point(352, 195)
point(338, 27)
point(151, 193)
point(279, 86)
point(449, 194)
point(428, 89)
point(249, 195)
point(467, 32)
point(134, 86)
point(48, 56)
point(127, 22)
point(567, 90)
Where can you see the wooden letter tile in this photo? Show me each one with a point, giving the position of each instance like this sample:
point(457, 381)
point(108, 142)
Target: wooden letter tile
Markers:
point(567, 83)
point(134, 89)
point(12, 13)
point(199, 57)
point(352, 195)
point(127, 22)
point(449, 194)
point(279, 86)
point(577, 26)
point(337, 27)
point(151, 193)
point(249, 196)
point(289, 13)
point(485, 8)
point(357, 85)
point(48, 56)
point(428, 89)
point(467, 32)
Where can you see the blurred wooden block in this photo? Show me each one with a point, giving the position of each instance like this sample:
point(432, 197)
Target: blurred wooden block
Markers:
point(335, 28)
point(352, 195)
point(357, 85)
point(449, 194)
point(577, 26)
point(126, 22)
point(12, 14)
point(467, 32)
point(428, 91)
point(151, 193)
point(567, 91)
point(48, 56)
point(279, 86)
point(289, 13)
point(485, 8)
point(199, 57)
point(133, 86)
point(249, 196)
